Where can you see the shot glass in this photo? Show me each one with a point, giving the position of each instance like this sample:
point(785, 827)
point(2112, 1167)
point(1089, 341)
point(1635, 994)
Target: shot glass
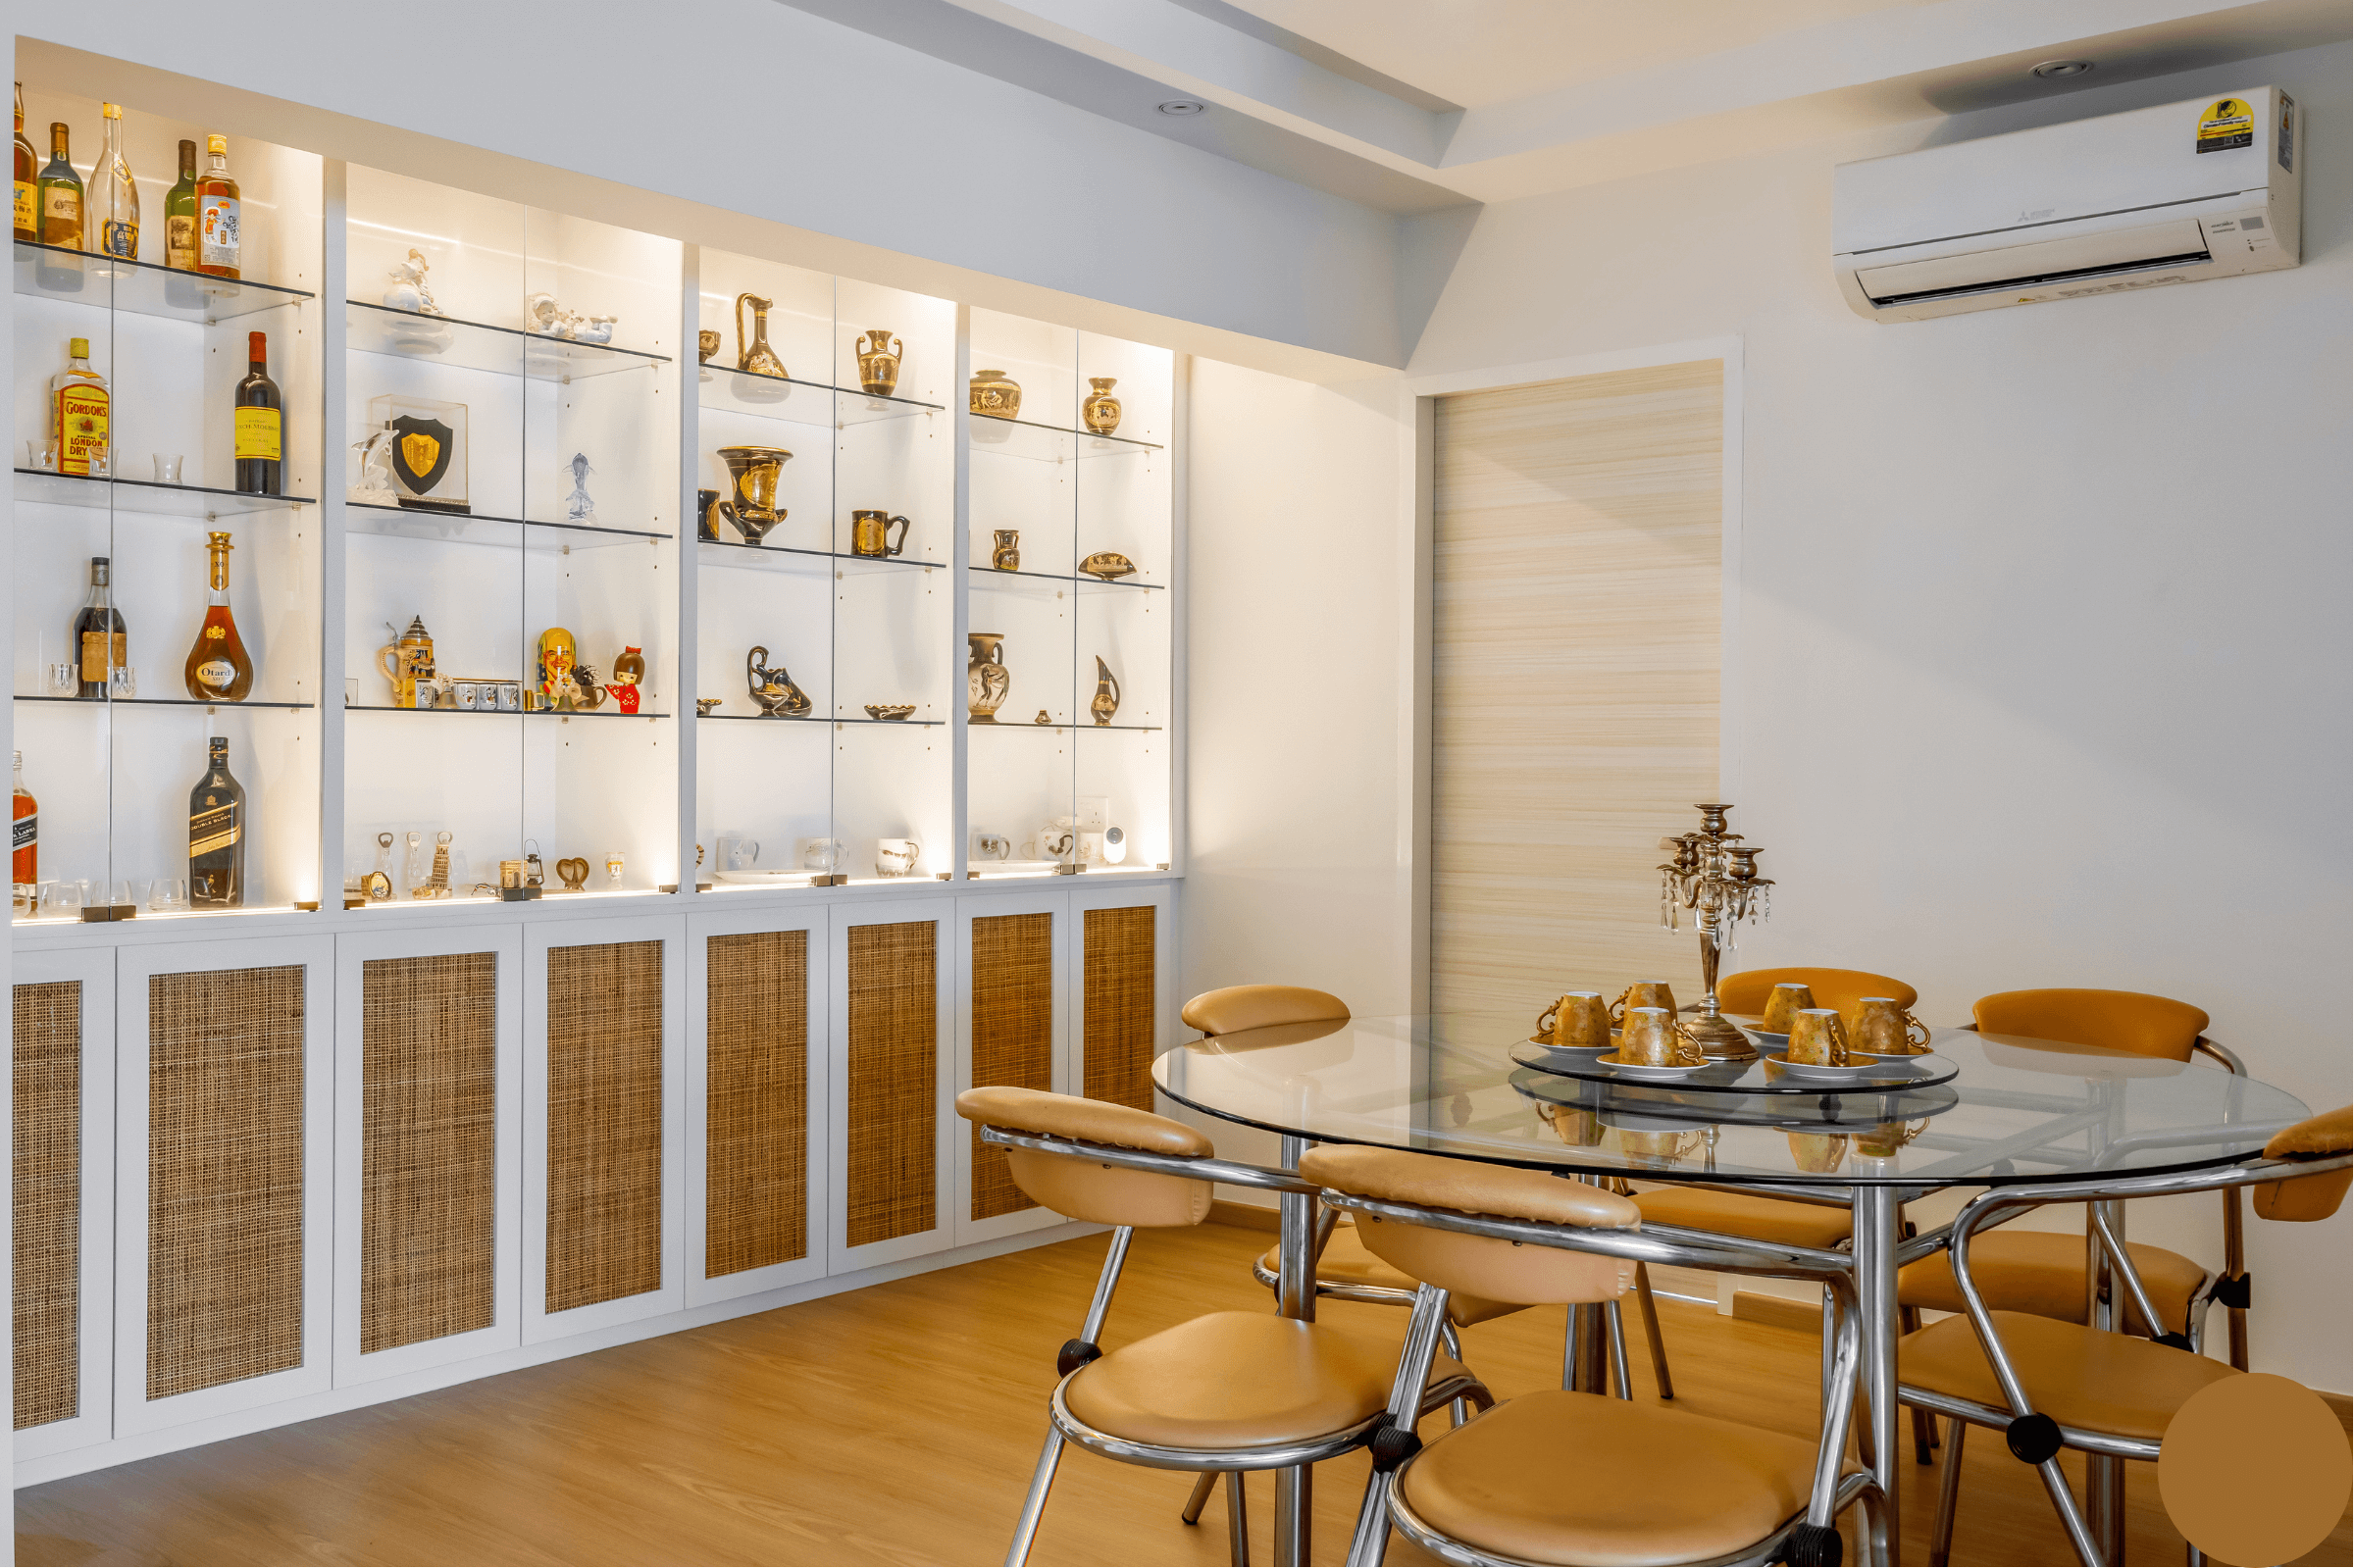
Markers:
point(166, 469)
point(123, 683)
point(62, 680)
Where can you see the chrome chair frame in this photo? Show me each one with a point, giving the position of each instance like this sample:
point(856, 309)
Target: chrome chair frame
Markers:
point(1832, 1492)
point(2035, 1439)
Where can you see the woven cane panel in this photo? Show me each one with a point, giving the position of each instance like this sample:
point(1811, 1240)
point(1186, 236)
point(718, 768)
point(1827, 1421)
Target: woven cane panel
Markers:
point(429, 1147)
point(47, 1019)
point(1118, 1047)
point(756, 1101)
point(1013, 1035)
point(604, 1123)
point(224, 1177)
point(894, 1055)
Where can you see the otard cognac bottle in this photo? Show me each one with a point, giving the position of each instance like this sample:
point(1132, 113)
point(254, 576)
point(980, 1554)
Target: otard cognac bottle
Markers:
point(217, 214)
point(219, 670)
point(60, 195)
point(260, 423)
point(216, 835)
point(99, 636)
point(113, 198)
point(179, 214)
point(27, 179)
point(25, 837)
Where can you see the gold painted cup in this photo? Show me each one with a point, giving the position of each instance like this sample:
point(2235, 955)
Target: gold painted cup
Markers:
point(870, 533)
point(1645, 994)
point(1785, 1003)
point(1579, 1021)
point(1575, 1128)
point(1650, 1038)
point(1817, 1154)
point(1877, 1027)
point(1818, 1038)
point(1657, 1148)
point(1883, 1141)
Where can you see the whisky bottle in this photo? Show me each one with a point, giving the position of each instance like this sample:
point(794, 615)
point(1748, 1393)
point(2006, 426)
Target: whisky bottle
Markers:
point(100, 639)
point(179, 214)
point(111, 205)
point(27, 181)
point(219, 670)
point(25, 836)
point(81, 412)
point(217, 214)
point(260, 423)
point(60, 195)
point(216, 835)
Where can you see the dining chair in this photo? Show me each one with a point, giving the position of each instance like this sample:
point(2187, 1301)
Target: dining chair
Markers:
point(1224, 1393)
point(2048, 1384)
point(2043, 1273)
point(1568, 1476)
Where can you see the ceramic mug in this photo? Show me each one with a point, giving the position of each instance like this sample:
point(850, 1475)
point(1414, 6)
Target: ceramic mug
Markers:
point(1877, 1027)
point(1785, 1003)
point(737, 852)
point(1579, 1021)
point(1650, 1040)
point(1645, 994)
point(1818, 1038)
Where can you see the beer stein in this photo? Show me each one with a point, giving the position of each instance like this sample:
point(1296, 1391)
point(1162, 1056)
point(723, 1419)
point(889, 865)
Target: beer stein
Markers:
point(1007, 556)
point(1877, 1027)
point(879, 354)
point(756, 471)
point(756, 357)
point(870, 533)
point(1644, 993)
point(1650, 1038)
point(406, 660)
point(1785, 1003)
point(1818, 1038)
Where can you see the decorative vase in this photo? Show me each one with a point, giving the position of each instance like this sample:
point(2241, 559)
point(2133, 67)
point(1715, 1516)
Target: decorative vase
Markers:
point(879, 354)
point(1101, 411)
point(986, 677)
point(996, 395)
point(756, 473)
point(1007, 556)
point(1107, 695)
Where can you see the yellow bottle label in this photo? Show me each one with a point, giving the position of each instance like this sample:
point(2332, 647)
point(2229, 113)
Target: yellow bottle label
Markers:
point(25, 206)
point(101, 652)
point(179, 242)
point(213, 828)
point(258, 433)
point(82, 420)
point(217, 675)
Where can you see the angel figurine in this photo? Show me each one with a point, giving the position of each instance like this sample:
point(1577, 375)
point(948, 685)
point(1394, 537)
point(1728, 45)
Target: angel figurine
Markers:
point(376, 470)
point(578, 507)
point(410, 292)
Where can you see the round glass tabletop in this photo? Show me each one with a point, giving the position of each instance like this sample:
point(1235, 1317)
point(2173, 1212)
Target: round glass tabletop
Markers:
point(2010, 1110)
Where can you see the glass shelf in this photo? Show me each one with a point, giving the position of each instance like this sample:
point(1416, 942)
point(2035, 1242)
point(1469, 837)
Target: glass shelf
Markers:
point(480, 347)
point(793, 401)
point(510, 713)
point(1048, 444)
point(762, 718)
point(158, 702)
point(143, 288)
point(144, 495)
point(470, 528)
point(1060, 724)
point(792, 558)
point(1038, 585)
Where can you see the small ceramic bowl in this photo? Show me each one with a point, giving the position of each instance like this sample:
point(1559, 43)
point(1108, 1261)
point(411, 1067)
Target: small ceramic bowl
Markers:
point(888, 710)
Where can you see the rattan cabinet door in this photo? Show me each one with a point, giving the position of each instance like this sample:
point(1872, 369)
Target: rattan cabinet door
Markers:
point(759, 1066)
point(892, 1125)
point(1012, 1027)
point(604, 1123)
point(224, 1093)
point(62, 1025)
point(429, 1147)
point(1124, 997)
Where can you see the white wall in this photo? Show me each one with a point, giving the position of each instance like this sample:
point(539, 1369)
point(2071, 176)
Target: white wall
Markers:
point(2042, 670)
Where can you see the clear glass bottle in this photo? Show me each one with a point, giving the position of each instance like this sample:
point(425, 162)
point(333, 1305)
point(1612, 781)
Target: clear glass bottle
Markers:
point(80, 413)
point(111, 209)
point(217, 213)
point(217, 835)
point(28, 203)
point(179, 214)
point(101, 640)
point(219, 670)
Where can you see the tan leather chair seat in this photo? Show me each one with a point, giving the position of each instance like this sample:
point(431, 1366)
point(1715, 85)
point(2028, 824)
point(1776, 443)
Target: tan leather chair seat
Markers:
point(2042, 1272)
point(1575, 1478)
point(1758, 1219)
point(2079, 1377)
point(1233, 1380)
point(1346, 1261)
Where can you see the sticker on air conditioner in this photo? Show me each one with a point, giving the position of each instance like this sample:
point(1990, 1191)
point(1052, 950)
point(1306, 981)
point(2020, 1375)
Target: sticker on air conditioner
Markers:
point(2229, 123)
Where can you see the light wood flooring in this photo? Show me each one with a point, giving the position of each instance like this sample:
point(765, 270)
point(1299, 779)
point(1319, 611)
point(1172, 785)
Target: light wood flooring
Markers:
point(893, 1425)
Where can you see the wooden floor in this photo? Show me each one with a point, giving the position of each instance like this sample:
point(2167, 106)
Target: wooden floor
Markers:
point(895, 1425)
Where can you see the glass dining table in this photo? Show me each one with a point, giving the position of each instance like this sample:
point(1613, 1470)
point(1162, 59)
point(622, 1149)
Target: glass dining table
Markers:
point(1974, 1110)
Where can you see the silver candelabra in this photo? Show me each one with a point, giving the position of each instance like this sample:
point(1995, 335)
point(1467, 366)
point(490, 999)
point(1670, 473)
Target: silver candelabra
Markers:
point(1713, 876)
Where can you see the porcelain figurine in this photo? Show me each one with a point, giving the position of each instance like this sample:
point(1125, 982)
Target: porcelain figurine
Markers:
point(628, 671)
point(772, 689)
point(578, 507)
point(597, 330)
point(558, 653)
point(587, 693)
point(410, 292)
point(542, 314)
point(376, 470)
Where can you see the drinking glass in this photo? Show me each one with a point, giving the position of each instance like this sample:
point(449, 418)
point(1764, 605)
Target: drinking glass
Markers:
point(166, 469)
point(123, 683)
point(166, 895)
point(61, 900)
point(62, 680)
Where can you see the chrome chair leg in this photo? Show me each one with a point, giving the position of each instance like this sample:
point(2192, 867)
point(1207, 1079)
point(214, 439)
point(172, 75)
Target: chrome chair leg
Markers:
point(1651, 1326)
point(1458, 1411)
point(1295, 1511)
point(1237, 1521)
point(1925, 1425)
point(1041, 1481)
point(1949, 1493)
point(1200, 1496)
point(1615, 1323)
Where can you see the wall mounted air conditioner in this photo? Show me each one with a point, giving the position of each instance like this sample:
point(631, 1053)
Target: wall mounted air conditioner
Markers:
point(2208, 188)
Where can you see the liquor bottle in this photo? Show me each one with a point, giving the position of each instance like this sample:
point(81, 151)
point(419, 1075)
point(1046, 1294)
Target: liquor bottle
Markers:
point(25, 837)
point(216, 835)
point(260, 423)
point(100, 639)
point(179, 214)
point(79, 414)
point(60, 195)
point(112, 206)
point(217, 214)
point(27, 181)
point(218, 668)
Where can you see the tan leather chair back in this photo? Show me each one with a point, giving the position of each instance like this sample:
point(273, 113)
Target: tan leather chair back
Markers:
point(2309, 1197)
point(2114, 1020)
point(1088, 1190)
point(1480, 1265)
point(1835, 989)
point(1239, 1007)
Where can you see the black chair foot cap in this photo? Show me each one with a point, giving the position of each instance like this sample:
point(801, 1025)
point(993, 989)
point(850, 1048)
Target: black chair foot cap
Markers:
point(1814, 1545)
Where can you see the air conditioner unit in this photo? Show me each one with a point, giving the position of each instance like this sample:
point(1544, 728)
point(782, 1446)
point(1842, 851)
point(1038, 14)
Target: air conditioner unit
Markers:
point(2206, 189)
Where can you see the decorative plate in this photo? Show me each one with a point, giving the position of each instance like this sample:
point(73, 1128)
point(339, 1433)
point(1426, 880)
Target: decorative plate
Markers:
point(1869, 1067)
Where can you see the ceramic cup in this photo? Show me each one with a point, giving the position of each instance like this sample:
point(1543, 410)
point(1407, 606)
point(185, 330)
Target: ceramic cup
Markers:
point(1646, 993)
point(1877, 1027)
point(1817, 1154)
point(1650, 1038)
point(896, 857)
point(1579, 1021)
point(1785, 1004)
point(1817, 1037)
point(1883, 1141)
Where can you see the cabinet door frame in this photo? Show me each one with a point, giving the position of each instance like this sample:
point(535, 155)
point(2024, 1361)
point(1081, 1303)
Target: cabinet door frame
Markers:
point(1055, 901)
point(539, 1323)
point(1164, 966)
point(353, 950)
point(135, 1413)
point(94, 1328)
point(841, 1256)
point(817, 1119)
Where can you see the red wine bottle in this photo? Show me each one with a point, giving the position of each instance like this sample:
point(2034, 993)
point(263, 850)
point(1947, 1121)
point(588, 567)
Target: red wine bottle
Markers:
point(261, 424)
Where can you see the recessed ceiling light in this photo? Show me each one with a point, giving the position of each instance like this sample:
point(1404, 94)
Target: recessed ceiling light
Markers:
point(2051, 68)
point(1182, 106)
